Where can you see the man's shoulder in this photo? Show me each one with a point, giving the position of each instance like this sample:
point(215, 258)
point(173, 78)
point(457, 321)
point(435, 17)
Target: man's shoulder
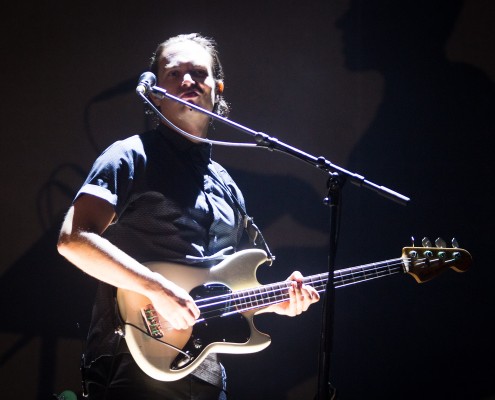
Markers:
point(222, 173)
point(218, 168)
point(136, 144)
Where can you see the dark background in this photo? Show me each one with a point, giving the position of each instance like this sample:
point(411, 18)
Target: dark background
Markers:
point(400, 92)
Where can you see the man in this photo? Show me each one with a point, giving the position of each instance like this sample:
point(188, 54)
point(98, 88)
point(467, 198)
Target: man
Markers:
point(158, 196)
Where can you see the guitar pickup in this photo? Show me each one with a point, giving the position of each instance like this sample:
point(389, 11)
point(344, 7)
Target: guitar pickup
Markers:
point(151, 321)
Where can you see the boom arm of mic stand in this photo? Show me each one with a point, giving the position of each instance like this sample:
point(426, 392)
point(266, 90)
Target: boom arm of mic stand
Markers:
point(270, 143)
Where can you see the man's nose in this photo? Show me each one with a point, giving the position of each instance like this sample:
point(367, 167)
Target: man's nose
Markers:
point(187, 78)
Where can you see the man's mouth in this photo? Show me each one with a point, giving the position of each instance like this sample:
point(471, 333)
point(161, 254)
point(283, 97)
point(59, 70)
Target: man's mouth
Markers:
point(189, 95)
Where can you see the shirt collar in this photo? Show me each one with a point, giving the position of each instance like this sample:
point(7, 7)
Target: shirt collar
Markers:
point(198, 151)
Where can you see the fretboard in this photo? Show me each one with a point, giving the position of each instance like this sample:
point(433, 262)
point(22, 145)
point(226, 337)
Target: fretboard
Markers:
point(265, 295)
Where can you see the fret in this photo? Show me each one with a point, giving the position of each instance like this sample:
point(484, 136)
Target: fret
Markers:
point(282, 292)
point(236, 299)
point(251, 299)
point(362, 276)
point(388, 268)
point(259, 298)
point(317, 281)
point(265, 295)
point(337, 278)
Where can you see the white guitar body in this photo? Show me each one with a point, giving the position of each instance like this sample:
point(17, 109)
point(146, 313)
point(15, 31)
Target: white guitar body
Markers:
point(154, 357)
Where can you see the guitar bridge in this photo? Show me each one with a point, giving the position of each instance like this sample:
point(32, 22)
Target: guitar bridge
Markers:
point(151, 321)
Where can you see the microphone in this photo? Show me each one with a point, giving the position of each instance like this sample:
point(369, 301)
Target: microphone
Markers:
point(146, 81)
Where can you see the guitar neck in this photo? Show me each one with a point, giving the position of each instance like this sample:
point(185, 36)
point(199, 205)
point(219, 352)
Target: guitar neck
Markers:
point(366, 272)
point(265, 295)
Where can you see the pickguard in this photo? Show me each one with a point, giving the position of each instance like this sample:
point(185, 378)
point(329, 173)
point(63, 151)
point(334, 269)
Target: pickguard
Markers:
point(215, 326)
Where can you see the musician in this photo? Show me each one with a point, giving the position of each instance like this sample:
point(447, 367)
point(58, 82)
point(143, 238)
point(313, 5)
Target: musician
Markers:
point(159, 196)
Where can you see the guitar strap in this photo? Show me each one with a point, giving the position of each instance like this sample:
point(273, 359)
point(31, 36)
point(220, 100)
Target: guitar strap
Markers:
point(253, 232)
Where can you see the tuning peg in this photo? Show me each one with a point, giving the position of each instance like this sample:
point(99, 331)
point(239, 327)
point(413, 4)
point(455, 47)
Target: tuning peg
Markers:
point(440, 242)
point(455, 244)
point(426, 242)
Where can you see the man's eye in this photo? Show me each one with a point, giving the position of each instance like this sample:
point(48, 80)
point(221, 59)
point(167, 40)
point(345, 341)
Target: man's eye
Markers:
point(200, 73)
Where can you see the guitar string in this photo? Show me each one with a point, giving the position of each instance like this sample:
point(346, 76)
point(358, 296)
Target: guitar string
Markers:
point(363, 275)
point(278, 294)
point(319, 284)
point(278, 287)
point(242, 300)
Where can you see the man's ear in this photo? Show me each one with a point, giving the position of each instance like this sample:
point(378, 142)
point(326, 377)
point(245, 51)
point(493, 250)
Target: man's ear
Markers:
point(220, 87)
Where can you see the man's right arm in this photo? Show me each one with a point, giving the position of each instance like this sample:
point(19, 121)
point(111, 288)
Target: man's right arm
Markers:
point(80, 241)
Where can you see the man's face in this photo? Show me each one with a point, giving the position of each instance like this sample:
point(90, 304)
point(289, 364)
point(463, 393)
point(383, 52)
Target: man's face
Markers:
point(185, 71)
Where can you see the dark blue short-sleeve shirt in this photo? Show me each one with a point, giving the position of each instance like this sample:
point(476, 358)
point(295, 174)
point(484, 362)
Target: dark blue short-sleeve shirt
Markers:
point(172, 203)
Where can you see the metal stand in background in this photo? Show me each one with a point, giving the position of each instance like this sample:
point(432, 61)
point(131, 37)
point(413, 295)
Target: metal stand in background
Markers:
point(333, 200)
point(337, 177)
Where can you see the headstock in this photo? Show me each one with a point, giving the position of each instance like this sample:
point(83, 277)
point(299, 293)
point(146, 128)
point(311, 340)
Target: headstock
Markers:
point(425, 263)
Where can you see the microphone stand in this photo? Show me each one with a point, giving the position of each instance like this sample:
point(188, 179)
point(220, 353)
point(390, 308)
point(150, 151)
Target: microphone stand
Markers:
point(337, 177)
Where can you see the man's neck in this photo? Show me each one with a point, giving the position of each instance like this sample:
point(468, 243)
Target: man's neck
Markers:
point(190, 130)
point(194, 125)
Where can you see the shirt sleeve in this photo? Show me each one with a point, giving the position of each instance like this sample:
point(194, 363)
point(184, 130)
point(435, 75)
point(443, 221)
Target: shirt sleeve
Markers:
point(112, 175)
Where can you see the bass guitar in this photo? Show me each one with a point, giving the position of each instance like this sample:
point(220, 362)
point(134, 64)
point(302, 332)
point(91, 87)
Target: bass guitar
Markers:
point(228, 295)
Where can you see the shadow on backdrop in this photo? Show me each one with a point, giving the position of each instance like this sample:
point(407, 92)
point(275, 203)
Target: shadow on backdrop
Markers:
point(428, 140)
